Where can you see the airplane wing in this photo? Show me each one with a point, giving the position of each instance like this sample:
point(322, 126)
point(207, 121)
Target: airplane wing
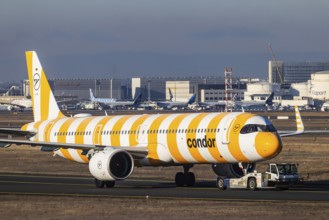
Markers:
point(13, 104)
point(299, 123)
point(136, 152)
point(17, 132)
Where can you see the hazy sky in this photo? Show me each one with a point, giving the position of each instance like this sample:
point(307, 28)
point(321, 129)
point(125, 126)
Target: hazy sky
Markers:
point(125, 38)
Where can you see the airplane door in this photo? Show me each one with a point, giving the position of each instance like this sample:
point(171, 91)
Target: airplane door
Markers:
point(98, 135)
point(47, 131)
point(142, 134)
point(226, 130)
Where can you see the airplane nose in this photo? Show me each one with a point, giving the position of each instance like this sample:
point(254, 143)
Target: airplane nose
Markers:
point(268, 144)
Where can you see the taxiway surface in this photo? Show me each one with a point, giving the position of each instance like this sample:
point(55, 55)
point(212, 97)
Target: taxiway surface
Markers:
point(135, 188)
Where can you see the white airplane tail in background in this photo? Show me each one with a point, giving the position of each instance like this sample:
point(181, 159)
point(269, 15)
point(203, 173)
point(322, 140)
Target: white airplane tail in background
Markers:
point(43, 101)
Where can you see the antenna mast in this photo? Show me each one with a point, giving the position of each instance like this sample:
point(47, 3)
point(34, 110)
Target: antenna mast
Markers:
point(275, 63)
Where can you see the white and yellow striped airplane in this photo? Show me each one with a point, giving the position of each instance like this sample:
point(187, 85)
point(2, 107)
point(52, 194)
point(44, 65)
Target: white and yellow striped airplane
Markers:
point(114, 145)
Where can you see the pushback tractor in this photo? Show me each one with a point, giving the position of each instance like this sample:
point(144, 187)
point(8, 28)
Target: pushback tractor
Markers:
point(280, 175)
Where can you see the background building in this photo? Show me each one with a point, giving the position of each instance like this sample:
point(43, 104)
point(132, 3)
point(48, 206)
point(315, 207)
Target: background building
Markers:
point(108, 88)
point(215, 93)
point(294, 72)
point(156, 88)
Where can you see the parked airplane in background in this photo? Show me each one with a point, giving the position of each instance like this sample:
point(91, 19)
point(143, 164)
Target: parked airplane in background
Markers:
point(18, 104)
point(218, 104)
point(236, 103)
point(173, 105)
point(101, 100)
point(105, 103)
point(267, 102)
point(113, 145)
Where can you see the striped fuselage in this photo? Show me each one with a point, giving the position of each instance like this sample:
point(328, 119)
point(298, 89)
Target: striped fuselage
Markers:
point(170, 138)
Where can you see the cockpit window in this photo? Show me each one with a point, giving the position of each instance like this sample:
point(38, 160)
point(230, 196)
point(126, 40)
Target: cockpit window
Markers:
point(250, 128)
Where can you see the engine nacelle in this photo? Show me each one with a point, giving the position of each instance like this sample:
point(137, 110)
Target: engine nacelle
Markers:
point(233, 170)
point(111, 164)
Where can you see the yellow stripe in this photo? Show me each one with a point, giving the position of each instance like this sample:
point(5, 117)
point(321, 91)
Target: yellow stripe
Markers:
point(228, 129)
point(44, 97)
point(29, 71)
point(152, 140)
point(83, 157)
point(234, 132)
point(65, 126)
point(36, 126)
point(66, 154)
point(48, 129)
point(194, 124)
point(97, 137)
point(172, 142)
point(115, 139)
point(135, 127)
point(214, 151)
point(79, 139)
point(62, 139)
point(24, 127)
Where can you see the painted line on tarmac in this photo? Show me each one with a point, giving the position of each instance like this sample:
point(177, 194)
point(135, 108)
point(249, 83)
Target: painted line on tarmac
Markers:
point(82, 178)
point(67, 184)
point(147, 197)
point(45, 176)
point(46, 183)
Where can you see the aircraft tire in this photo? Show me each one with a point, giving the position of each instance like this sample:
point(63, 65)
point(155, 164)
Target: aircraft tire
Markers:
point(180, 179)
point(109, 184)
point(190, 179)
point(99, 183)
point(221, 183)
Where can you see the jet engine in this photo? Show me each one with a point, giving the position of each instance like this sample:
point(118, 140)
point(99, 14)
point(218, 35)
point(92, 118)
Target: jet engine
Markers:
point(234, 170)
point(111, 164)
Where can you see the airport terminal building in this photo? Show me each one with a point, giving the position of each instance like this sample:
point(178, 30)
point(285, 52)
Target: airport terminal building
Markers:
point(294, 72)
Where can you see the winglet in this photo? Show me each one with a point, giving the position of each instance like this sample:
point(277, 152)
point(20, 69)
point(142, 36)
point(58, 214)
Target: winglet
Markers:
point(299, 122)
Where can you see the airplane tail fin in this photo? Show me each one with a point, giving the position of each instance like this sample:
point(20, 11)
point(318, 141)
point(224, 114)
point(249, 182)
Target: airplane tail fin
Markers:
point(235, 97)
point(43, 101)
point(170, 95)
point(92, 97)
point(192, 99)
point(138, 99)
point(269, 100)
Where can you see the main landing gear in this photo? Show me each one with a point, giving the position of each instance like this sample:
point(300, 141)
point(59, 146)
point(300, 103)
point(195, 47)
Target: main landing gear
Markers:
point(101, 183)
point(185, 179)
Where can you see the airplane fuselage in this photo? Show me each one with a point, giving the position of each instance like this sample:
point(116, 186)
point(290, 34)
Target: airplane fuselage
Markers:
point(170, 138)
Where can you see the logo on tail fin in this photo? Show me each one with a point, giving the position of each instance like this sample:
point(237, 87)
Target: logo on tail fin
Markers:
point(36, 79)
